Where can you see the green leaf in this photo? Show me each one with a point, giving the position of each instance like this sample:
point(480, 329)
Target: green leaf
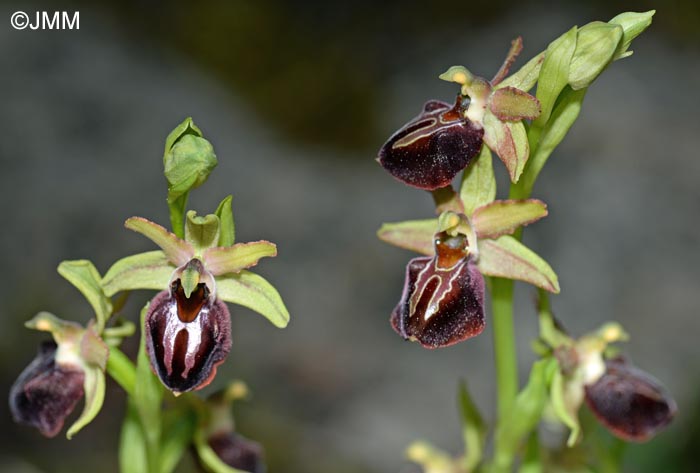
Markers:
point(201, 232)
point(132, 443)
point(507, 258)
point(84, 276)
point(509, 141)
point(554, 75)
point(473, 429)
point(511, 104)
point(150, 270)
point(525, 413)
point(94, 387)
point(478, 184)
point(227, 229)
point(177, 251)
point(414, 235)
point(208, 458)
point(633, 24)
point(148, 397)
point(178, 430)
point(232, 259)
point(526, 77)
point(254, 292)
point(502, 217)
point(596, 44)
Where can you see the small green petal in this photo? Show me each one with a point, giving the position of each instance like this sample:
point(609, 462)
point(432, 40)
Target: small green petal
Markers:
point(227, 231)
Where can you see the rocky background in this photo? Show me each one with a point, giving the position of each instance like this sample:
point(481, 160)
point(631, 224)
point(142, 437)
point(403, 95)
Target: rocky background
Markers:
point(296, 100)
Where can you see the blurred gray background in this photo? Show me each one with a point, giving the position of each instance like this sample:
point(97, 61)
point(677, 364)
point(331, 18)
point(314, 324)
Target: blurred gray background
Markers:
point(297, 98)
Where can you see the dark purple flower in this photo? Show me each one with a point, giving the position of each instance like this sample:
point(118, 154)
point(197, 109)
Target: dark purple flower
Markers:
point(188, 337)
point(629, 402)
point(46, 392)
point(431, 149)
point(443, 296)
point(238, 452)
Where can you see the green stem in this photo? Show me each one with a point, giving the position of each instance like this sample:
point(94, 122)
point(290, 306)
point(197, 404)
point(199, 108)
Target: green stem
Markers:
point(504, 345)
point(122, 370)
point(177, 214)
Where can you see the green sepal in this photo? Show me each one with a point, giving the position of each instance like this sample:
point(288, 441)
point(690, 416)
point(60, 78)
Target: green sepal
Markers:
point(177, 250)
point(478, 185)
point(554, 74)
point(473, 429)
point(208, 457)
point(509, 141)
point(254, 292)
point(633, 24)
point(502, 217)
point(94, 352)
point(178, 429)
point(232, 259)
point(201, 232)
point(188, 159)
point(84, 276)
point(227, 227)
point(187, 127)
point(525, 413)
point(596, 45)
point(94, 387)
point(150, 270)
point(526, 77)
point(507, 258)
point(414, 235)
point(564, 407)
point(511, 104)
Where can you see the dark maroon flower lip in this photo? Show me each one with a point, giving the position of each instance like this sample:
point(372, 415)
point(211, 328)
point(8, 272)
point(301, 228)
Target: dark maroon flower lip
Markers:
point(187, 338)
point(238, 452)
point(443, 297)
point(46, 393)
point(630, 402)
point(430, 150)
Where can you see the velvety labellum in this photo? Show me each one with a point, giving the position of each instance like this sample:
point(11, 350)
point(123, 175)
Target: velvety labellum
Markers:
point(46, 393)
point(629, 402)
point(187, 337)
point(238, 452)
point(443, 297)
point(431, 149)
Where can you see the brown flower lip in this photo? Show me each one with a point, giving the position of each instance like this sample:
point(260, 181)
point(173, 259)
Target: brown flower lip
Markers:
point(46, 393)
point(238, 452)
point(187, 338)
point(443, 297)
point(431, 149)
point(629, 402)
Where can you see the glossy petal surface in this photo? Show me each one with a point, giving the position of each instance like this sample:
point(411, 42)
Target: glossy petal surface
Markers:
point(443, 299)
point(187, 337)
point(629, 402)
point(431, 149)
point(46, 393)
